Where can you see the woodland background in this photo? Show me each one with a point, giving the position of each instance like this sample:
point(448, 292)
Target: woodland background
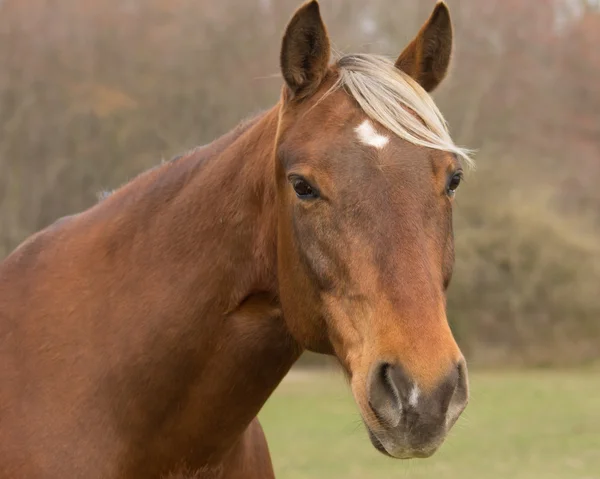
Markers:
point(92, 92)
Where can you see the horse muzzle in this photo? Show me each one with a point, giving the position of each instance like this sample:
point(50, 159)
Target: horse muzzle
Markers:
point(407, 422)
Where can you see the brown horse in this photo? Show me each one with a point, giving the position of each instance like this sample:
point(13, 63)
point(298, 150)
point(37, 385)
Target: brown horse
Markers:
point(140, 338)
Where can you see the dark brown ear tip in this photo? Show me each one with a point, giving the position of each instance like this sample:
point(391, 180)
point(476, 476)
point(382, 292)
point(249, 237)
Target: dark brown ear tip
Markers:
point(441, 12)
point(311, 6)
point(309, 11)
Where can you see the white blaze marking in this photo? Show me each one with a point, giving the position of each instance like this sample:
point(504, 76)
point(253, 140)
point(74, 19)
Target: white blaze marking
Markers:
point(413, 397)
point(367, 134)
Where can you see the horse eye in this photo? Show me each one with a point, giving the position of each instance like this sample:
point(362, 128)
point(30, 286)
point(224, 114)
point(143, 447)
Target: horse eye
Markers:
point(454, 183)
point(303, 189)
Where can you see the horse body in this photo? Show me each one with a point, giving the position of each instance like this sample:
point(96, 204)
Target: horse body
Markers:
point(140, 338)
point(122, 374)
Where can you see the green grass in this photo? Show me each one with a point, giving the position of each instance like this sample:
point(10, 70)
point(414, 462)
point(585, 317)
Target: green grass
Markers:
point(533, 425)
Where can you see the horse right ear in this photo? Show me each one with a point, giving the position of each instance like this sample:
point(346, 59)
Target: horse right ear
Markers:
point(305, 51)
point(427, 57)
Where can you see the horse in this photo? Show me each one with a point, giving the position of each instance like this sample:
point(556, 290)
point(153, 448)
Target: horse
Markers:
point(141, 337)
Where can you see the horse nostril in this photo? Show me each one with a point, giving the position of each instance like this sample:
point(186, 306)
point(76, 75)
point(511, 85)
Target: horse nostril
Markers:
point(385, 380)
point(461, 393)
point(388, 391)
point(453, 392)
point(446, 391)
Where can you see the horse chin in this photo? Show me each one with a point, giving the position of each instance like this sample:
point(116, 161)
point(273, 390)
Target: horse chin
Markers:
point(377, 443)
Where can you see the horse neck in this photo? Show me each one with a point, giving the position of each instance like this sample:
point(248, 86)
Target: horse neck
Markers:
point(212, 240)
point(208, 218)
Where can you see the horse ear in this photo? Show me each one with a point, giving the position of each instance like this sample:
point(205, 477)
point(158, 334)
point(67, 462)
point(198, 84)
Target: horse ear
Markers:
point(427, 57)
point(305, 51)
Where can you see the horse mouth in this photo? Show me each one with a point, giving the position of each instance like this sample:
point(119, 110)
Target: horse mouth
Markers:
point(412, 454)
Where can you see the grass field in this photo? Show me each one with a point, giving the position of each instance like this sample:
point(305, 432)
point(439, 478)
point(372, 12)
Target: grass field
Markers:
point(518, 425)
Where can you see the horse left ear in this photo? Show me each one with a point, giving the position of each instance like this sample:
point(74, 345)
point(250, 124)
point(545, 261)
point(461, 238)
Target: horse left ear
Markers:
point(305, 51)
point(427, 57)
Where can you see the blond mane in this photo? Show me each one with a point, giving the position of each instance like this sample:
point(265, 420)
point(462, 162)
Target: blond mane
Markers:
point(396, 101)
